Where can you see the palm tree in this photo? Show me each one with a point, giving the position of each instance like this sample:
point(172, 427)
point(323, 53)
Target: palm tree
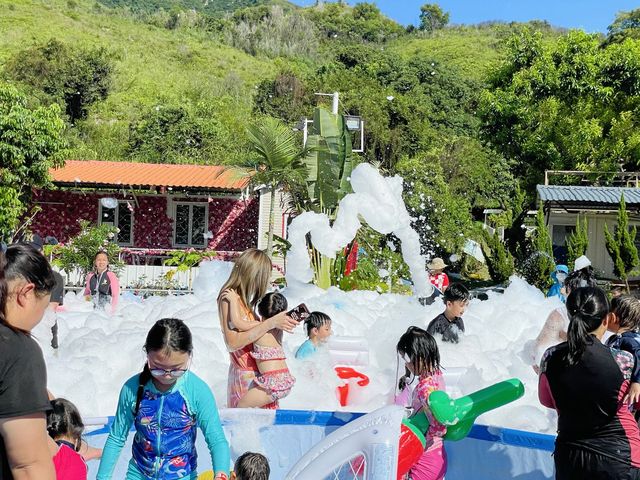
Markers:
point(279, 161)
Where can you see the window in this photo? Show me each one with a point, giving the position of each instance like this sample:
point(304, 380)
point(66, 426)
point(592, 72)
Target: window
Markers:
point(190, 225)
point(120, 217)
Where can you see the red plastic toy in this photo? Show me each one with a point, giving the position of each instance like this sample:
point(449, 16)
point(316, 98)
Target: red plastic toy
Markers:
point(346, 373)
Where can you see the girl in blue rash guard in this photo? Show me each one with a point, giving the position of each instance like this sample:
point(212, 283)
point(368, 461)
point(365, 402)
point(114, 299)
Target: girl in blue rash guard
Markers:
point(165, 403)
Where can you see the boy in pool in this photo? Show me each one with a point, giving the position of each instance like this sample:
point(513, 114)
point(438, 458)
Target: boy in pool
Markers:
point(318, 327)
point(449, 323)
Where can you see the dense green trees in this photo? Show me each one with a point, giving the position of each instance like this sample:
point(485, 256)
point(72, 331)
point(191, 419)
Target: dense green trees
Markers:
point(564, 105)
point(30, 143)
point(75, 77)
point(432, 17)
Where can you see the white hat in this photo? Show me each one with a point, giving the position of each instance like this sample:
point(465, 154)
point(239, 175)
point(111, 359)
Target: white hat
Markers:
point(581, 262)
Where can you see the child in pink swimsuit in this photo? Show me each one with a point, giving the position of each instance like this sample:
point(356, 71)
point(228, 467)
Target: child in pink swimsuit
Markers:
point(422, 358)
point(275, 380)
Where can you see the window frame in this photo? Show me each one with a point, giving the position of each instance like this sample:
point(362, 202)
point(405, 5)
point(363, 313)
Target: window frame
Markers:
point(116, 221)
point(174, 214)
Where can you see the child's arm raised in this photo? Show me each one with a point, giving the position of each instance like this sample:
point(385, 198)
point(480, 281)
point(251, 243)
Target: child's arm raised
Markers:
point(119, 429)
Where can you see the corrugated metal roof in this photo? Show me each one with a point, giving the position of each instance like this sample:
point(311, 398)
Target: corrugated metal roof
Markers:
point(93, 172)
point(580, 194)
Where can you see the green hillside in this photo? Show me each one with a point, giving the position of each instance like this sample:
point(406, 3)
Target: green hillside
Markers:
point(215, 7)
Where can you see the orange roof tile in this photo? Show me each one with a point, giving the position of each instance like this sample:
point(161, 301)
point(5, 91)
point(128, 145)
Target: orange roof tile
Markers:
point(93, 172)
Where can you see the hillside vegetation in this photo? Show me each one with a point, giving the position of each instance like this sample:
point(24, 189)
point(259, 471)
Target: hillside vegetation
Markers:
point(473, 115)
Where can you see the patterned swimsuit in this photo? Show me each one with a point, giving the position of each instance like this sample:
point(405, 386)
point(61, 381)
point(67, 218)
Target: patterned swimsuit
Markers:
point(277, 383)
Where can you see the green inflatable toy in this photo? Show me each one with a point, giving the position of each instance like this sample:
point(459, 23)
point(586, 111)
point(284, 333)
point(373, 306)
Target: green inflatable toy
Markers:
point(460, 414)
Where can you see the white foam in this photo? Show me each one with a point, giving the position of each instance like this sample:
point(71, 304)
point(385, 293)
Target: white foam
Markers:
point(98, 352)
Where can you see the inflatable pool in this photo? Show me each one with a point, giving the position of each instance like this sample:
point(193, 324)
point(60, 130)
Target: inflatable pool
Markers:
point(285, 436)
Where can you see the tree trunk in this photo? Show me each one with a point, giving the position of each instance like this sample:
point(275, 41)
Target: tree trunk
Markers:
point(270, 233)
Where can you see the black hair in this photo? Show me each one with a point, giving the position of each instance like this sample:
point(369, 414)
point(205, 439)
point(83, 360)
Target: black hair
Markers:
point(587, 307)
point(421, 348)
point(316, 320)
point(101, 252)
point(272, 304)
point(585, 277)
point(252, 466)
point(64, 420)
point(456, 292)
point(167, 334)
point(26, 262)
point(627, 309)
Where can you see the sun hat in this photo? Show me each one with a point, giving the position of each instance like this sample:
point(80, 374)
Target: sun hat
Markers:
point(436, 264)
point(581, 262)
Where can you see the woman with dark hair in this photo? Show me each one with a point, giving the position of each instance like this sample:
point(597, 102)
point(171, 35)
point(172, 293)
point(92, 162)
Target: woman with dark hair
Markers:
point(586, 383)
point(166, 402)
point(26, 281)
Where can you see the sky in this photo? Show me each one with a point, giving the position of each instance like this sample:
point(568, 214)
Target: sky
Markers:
point(589, 15)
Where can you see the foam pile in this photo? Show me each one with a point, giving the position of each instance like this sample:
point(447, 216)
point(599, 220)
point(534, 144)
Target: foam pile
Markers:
point(99, 352)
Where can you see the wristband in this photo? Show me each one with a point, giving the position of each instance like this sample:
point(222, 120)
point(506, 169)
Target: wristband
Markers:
point(221, 476)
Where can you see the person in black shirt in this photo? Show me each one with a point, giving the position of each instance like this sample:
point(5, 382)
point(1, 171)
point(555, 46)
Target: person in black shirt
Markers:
point(25, 282)
point(449, 323)
point(586, 382)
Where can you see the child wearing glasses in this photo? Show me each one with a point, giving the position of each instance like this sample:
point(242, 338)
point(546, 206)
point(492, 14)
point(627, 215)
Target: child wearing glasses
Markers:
point(419, 351)
point(165, 403)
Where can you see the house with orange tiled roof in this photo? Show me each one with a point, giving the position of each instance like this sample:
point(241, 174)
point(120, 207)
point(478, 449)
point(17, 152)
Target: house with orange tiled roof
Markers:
point(156, 207)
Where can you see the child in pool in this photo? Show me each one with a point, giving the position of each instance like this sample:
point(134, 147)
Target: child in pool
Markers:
point(275, 380)
point(318, 327)
point(65, 427)
point(251, 466)
point(625, 322)
point(420, 352)
point(102, 285)
point(165, 403)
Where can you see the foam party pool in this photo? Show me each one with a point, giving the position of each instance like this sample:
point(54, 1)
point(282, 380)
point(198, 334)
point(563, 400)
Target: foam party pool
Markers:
point(98, 352)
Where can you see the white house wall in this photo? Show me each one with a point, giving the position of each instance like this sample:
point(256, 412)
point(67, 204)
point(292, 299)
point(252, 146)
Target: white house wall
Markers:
point(279, 227)
point(597, 251)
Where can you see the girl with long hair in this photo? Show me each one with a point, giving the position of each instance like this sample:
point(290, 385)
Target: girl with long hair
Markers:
point(420, 353)
point(238, 299)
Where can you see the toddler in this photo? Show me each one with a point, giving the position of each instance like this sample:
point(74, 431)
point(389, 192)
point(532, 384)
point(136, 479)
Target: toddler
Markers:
point(318, 327)
point(275, 380)
point(65, 426)
point(624, 322)
point(251, 466)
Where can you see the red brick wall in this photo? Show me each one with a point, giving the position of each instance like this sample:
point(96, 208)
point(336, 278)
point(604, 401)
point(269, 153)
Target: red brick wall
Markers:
point(232, 222)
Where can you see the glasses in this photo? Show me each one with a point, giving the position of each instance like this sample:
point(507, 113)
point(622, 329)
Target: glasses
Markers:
point(161, 372)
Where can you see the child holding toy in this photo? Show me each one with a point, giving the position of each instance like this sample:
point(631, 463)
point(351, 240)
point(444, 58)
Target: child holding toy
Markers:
point(318, 327)
point(419, 351)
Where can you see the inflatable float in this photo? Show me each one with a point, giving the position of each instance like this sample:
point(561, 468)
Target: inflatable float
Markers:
point(375, 435)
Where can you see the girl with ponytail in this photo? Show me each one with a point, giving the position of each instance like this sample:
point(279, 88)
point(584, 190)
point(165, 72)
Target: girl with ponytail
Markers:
point(165, 403)
point(586, 383)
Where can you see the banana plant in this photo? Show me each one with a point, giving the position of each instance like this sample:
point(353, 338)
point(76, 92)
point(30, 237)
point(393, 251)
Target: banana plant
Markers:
point(329, 162)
